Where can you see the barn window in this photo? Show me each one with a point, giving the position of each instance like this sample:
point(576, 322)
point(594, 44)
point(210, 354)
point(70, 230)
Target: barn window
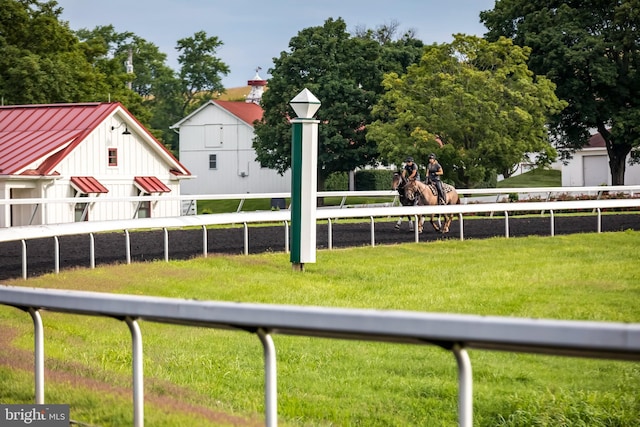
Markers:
point(144, 209)
point(112, 156)
point(81, 210)
point(82, 187)
point(147, 185)
point(213, 161)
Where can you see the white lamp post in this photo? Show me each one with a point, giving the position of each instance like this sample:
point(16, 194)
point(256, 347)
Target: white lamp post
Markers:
point(304, 179)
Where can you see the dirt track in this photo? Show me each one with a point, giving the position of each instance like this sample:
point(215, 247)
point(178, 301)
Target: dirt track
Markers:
point(184, 244)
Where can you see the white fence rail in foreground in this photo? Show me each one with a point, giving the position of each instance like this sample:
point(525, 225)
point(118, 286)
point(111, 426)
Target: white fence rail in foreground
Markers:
point(453, 332)
point(25, 233)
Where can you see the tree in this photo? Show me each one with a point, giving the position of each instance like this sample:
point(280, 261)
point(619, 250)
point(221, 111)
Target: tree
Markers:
point(590, 50)
point(344, 73)
point(474, 103)
point(158, 96)
point(41, 60)
point(200, 70)
point(136, 89)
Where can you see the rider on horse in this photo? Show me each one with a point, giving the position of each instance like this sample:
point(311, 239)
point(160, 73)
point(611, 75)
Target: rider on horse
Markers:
point(410, 170)
point(434, 170)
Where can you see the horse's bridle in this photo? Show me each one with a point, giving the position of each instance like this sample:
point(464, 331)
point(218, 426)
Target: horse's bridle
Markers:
point(411, 195)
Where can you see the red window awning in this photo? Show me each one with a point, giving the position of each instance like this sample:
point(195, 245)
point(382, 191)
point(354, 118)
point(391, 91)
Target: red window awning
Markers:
point(150, 184)
point(87, 185)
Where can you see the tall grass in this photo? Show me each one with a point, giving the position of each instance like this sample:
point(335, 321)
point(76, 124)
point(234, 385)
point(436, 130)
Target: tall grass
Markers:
point(335, 382)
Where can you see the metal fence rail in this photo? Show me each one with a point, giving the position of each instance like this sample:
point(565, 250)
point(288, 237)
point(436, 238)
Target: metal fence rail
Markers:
point(453, 332)
point(547, 192)
point(25, 233)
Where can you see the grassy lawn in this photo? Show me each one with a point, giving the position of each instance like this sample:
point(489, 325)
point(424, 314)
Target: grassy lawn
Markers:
point(324, 382)
point(534, 178)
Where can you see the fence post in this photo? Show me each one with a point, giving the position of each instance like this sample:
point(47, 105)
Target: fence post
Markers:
point(465, 386)
point(136, 362)
point(270, 379)
point(38, 367)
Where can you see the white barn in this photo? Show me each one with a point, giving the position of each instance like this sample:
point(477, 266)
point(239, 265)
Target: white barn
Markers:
point(85, 151)
point(216, 144)
point(590, 167)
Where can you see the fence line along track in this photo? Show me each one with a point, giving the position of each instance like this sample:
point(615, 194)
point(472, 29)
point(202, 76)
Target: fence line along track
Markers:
point(455, 333)
point(452, 332)
point(25, 233)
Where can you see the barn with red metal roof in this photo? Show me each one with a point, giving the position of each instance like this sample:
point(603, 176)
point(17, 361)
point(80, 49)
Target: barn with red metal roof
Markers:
point(84, 151)
point(216, 144)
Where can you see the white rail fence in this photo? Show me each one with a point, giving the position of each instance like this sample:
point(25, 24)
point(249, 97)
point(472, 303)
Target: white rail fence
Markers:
point(467, 195)
point(455, 333)
point(25, 233)
point(452, 332)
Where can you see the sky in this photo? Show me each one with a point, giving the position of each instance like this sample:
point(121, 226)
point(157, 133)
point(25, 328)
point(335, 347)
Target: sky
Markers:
point(254, 32)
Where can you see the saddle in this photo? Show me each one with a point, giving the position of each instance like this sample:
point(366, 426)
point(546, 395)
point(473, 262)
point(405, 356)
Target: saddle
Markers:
point(445, 189)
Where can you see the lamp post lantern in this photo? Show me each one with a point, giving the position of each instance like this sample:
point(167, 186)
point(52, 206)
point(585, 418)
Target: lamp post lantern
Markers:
point(304, 179)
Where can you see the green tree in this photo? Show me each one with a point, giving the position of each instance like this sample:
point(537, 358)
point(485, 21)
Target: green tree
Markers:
point(474, 103)
point(108, 51)
point(158, 96)
point(41, 60)
point(590, 50)
point(200, 72)
point(344, 73)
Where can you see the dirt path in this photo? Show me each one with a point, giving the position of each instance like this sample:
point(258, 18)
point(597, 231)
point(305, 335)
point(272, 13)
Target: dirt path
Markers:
point(77, 375)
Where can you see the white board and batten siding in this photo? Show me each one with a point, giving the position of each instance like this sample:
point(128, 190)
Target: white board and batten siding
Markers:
point(214, 131)
point(90, 158)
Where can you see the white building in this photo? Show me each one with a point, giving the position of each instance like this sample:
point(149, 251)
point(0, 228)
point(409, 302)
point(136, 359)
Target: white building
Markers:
point(216, 144)
point(590, 167)
point(83, 151)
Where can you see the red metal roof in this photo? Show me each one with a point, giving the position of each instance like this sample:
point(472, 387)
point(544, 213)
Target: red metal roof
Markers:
point(248, 112)
point(88, 185)
point(29, 133)
point(32, 132)
point(595, 141)
point(151, 184)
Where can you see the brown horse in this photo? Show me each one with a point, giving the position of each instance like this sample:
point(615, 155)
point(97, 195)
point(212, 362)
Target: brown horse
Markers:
point(428, 195)
point(398, 184)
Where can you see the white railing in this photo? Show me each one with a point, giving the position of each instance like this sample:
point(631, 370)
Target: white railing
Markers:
point(466, 194)
point(453, 332)
point(24, 233)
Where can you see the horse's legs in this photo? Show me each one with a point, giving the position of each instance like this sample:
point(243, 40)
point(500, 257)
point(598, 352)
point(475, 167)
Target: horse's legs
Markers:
point(434, 224)
point(397, 226)
point(447, 223)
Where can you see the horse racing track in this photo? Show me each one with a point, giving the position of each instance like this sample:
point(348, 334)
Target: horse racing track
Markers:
point(184, 244)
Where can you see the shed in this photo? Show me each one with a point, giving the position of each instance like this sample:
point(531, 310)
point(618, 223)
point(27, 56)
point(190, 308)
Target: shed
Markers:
point(590, 166)
point(85, 151)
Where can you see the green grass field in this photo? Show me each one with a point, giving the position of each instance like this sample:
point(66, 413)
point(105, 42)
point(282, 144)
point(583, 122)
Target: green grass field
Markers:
point(533, 178)
point(324, 382)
